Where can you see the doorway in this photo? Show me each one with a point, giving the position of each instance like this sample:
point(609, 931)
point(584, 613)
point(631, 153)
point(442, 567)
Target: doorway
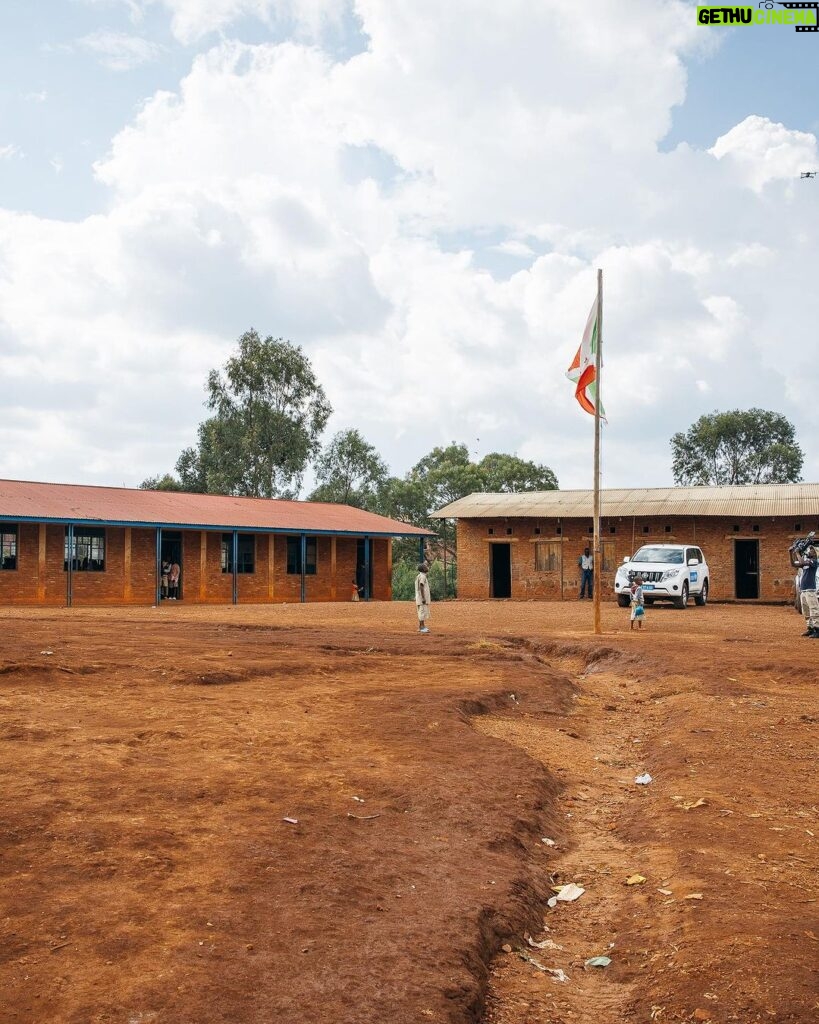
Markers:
point(172, 552)
point(500, 570)
point(746, 569)
point(360, 573)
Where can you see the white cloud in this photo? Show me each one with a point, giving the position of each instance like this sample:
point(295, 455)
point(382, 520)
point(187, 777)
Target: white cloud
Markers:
point(9, 151)
point(119, 51)
point(762, 151)
point(355, 206)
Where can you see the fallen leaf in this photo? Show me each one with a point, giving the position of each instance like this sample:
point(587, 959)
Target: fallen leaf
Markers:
point(636, 879)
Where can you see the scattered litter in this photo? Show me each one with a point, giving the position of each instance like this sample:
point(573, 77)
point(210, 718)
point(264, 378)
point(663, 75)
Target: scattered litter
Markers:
point(359, 799)
point(513, 697)
point(598, 961)
point(551, 842)
point(360, 817)
point(643, 780)
point(291, 821)
point(690, 805)
point(636, 879)
point(46, 652)
point(666, 892)
point(694, 896)
point(558, 974)
point(566, 894)
point(546, 944)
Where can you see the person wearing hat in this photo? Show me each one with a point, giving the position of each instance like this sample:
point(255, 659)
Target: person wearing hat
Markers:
point(808, 600)
point(422, 597)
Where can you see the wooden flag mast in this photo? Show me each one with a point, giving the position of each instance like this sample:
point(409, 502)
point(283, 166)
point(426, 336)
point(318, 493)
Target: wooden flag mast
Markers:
point(596, 549)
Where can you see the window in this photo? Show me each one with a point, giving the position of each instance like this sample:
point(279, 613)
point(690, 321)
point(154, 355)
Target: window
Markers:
point(89, 550)
point(491, 531)
point(508, 531)
point(246, 561)
point(8, 547)
point(294, 557)
point(547, 556)
point(537, 531)
point(612, 529)
point(645, 529)
point(608, 556)
point(694, 553)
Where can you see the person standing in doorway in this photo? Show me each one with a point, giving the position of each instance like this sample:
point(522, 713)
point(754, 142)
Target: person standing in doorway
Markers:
point(164, 579)
point(586, 563)
point(422, 597)
point(808, 600)
point(173, 581)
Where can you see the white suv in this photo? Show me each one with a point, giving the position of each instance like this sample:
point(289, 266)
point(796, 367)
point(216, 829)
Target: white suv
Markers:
point(670, 572)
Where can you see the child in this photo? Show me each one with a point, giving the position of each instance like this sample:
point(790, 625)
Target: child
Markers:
point(355, 596)
point(637, 607)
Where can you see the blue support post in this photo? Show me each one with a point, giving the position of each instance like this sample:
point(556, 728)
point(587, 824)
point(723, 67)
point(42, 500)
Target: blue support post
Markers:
point(303, 567)
point(69, 576)
point(235, 547)
point(366, 568)
point(158, 566)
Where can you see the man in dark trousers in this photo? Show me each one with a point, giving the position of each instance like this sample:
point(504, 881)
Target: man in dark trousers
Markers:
point(586, 563)
point(808, 600)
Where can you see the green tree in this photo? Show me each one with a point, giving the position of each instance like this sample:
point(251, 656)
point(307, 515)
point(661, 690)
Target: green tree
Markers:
point(741, 447)
point(447, 474)
point(167, 482)
point(268, 414)
point(510, 474)
point(349, 471)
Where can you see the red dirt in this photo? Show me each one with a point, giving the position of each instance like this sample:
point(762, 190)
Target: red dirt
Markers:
point(149, 761)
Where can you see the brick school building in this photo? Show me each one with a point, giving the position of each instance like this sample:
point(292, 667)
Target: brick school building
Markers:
point(65, 544)
point(526, 546)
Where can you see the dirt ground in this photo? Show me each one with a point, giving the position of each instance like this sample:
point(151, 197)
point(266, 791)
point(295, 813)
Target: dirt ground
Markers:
point(311, 813)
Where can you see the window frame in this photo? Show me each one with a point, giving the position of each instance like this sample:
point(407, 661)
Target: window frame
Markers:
point(293, 561)
point(554, 554)
point(86, 535)
point(242, 551)
point(9, 536)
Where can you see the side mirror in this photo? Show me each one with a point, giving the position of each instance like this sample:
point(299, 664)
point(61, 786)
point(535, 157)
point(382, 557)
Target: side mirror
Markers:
point(693, 561)
point(626, 559)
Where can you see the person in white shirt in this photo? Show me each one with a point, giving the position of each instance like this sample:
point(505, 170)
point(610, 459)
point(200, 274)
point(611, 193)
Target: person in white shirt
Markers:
point(422, 597)
point(586, 563)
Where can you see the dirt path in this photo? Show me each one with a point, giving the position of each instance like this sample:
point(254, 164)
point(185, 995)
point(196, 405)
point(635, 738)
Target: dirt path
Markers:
point(151, 760)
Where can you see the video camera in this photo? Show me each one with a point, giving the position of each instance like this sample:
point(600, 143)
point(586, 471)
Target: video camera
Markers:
point(800, 546)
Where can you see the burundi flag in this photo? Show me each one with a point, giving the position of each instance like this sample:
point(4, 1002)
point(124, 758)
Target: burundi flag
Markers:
point(583, 371)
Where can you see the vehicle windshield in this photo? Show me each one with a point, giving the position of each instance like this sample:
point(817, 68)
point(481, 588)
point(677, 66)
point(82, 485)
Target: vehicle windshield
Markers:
point(650, 554)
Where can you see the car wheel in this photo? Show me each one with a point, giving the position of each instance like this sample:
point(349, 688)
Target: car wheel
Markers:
point(702, 597)
point(623, 600)
point(682, 600)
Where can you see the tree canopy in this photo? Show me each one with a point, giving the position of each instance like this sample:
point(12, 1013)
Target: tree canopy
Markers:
point(268, 415)
point(349, 471)
point(739, 447)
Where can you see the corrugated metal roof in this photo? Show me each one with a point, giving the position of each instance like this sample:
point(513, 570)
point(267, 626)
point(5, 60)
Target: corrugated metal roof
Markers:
point(754, 500)
point(21, 499)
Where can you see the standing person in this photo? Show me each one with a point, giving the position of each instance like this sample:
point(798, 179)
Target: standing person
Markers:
point(173, 581)
point(360, 579)
point(164, 578)
point(586, 563)
point(422, 597)
point(638, 610)
point(355, 596)
point(808, 600)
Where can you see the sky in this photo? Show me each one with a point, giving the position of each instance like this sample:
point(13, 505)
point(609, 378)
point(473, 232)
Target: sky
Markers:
point(419, 195)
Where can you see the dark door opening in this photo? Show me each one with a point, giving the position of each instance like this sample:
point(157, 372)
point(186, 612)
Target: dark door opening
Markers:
point(500, 570)
point(360, 574)
point(172, 554)
point(746, 569)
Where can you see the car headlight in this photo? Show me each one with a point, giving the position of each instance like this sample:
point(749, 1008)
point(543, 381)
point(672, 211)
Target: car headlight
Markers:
point(669, 574)
point(621, 573)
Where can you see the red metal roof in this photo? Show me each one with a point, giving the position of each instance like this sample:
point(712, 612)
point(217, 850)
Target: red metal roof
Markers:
point(22, 499)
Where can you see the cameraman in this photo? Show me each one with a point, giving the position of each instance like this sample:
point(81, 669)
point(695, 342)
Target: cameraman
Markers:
point(808, 562)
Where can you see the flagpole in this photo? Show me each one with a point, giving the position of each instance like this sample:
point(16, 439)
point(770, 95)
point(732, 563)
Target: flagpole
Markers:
point(596, 550)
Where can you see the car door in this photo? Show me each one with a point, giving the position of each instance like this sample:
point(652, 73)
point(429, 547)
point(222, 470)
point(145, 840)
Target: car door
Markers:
point(695, 575)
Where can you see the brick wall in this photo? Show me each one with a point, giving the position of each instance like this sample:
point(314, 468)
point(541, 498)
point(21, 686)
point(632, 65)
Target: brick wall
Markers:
point(130, 570)
point(621, 537)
